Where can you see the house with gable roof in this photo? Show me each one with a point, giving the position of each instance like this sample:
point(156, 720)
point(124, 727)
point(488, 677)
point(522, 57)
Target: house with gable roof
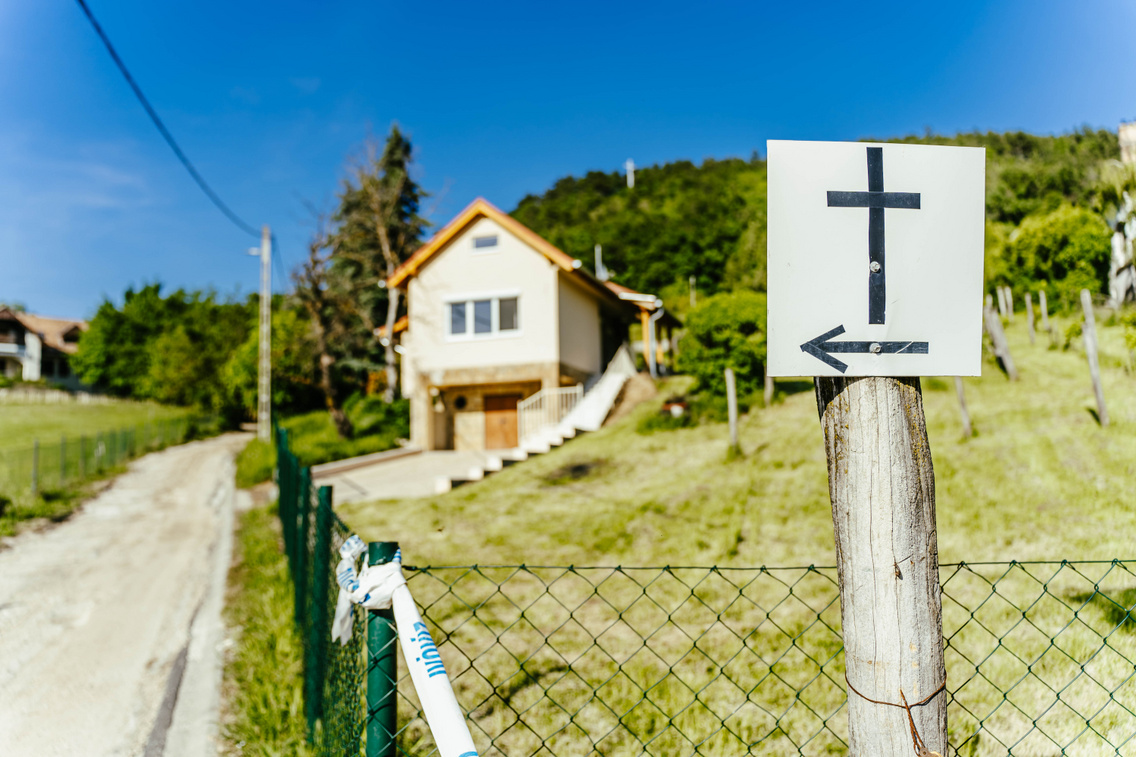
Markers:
point(508, 342)
point(34, 347)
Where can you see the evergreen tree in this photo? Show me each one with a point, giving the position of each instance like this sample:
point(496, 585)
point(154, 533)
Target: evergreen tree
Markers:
point(379, 227)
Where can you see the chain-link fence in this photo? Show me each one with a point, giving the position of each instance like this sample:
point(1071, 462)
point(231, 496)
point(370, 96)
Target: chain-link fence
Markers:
point(333, 673)
point(712, 661)
point(54, 464)
point(546, 660)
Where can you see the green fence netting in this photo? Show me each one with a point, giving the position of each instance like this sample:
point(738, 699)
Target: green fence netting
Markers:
point(554, 660)
point(333, 673)
point(48, 465)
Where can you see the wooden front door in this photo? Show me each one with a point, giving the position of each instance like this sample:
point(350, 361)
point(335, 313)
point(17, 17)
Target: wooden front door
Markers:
point(501, 421)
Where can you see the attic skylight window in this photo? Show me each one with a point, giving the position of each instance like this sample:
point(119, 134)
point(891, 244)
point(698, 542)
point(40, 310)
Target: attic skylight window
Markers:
point(485, 243)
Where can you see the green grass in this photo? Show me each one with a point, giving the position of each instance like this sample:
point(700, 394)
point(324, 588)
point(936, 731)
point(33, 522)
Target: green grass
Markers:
point(20, 425)
point(1041, 480)
point(255, 463)
point(312, 436)
point(68, 470)
point(263, 679)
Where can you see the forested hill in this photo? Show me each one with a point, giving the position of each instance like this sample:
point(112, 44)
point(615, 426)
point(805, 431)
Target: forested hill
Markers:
point(708, 221)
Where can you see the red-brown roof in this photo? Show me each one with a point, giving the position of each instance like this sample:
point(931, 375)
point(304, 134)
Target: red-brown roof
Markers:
point(53, 330)
point(479, 208)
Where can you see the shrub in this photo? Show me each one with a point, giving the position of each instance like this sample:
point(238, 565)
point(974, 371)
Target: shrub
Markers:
point(370, 415)
point(663, 421)
point(1067, 248)
point(726, 331)
point(312, 436)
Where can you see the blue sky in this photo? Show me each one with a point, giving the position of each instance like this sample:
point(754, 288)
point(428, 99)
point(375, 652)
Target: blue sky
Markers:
point(271, 101)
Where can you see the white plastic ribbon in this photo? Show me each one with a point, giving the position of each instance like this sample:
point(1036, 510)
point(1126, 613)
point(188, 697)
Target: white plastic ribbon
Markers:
point(379, 587)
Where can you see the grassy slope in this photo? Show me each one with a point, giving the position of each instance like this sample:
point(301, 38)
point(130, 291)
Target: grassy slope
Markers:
point(1041, 480)
point(21, 424)
point(312, 436)
point(263, 680)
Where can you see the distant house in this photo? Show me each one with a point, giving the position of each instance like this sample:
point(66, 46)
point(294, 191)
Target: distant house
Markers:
point(34, 347)
point(503, 332)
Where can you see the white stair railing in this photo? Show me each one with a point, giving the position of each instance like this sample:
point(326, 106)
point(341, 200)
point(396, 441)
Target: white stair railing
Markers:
point(546, 409)
point(590, 413)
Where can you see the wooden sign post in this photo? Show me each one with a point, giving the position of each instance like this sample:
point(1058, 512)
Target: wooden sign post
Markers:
point(920, 314)
point(882, 486)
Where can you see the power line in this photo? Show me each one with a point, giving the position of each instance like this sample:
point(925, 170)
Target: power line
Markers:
point(248, 229)
point(277, 259)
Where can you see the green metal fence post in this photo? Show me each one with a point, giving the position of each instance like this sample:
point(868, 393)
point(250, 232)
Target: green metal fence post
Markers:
point(62, 461)
point(319, 630)
point(286, 500)
point(304, 507)
point(82, 458)
point(382, 667)
point(35, 467)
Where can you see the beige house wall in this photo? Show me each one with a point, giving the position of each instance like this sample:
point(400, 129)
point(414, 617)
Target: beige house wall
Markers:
point(460, 271)
point(558, 341)
point(468, 421)
point(579, 328)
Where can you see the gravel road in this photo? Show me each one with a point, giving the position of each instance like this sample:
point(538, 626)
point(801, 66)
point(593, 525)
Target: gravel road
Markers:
point(110, 622)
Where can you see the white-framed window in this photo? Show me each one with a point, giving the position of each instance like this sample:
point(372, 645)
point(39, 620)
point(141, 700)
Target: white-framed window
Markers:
point(480, 317)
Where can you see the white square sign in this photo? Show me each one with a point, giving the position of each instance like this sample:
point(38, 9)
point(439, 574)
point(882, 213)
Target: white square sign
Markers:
point(875, 259)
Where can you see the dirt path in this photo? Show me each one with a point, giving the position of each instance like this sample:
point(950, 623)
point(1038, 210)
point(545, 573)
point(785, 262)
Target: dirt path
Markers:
point(96, 614)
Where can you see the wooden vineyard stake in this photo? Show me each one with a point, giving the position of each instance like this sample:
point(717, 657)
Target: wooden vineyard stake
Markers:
point(1044, 310)
point(1029, 317)
point(732, 408)
point(967, 429)
point(882, 487)
point(1001, 301)
point(768, 394)
point(1001, 347)
point(1090, 333)
point(1009, 304)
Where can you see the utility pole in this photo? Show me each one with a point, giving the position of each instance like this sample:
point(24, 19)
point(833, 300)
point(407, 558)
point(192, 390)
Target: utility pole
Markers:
point(264, 363)
point(601, 271)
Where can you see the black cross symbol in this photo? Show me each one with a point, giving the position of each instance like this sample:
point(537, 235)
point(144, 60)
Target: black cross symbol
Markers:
point(875, 200)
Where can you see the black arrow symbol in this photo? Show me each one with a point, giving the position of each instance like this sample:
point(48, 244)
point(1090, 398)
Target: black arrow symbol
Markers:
point(821, 348)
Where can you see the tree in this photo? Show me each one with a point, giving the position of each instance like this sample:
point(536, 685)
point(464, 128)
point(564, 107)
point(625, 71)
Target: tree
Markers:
point(166, 348)
point(294, 386)
point(725, 331)
point(327, 293)
point(114, 352)
point(379, 227)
